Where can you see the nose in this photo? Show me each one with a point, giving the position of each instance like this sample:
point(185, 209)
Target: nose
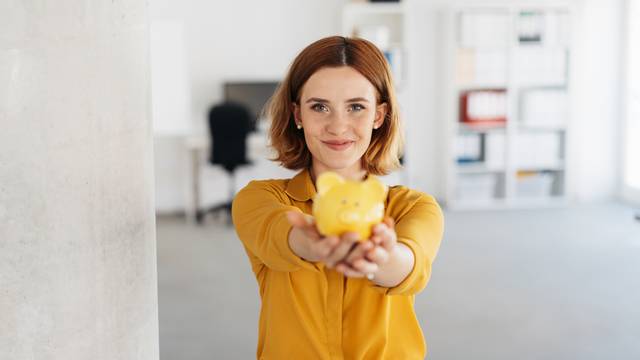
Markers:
point(338, 123)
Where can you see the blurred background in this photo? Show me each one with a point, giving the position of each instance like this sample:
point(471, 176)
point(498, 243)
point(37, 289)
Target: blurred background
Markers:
point(521, 117)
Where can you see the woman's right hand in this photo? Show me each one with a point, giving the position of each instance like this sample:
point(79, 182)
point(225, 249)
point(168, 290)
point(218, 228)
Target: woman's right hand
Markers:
point(309, 244)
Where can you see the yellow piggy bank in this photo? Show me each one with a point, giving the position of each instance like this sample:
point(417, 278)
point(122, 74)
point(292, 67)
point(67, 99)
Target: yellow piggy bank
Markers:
point(342, 205)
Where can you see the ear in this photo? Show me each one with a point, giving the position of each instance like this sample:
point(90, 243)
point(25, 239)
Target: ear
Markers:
point(295, 109)
point(377, 187)
point(327, 180)
point(381, 114)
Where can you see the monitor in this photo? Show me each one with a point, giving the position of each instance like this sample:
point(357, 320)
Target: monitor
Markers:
point(253, 95)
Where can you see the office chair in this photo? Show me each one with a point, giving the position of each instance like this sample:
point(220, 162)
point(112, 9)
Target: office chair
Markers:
point(229, 126)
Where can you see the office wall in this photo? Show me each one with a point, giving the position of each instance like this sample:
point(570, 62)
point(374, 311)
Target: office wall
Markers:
point(77, 231)
point(597, 105)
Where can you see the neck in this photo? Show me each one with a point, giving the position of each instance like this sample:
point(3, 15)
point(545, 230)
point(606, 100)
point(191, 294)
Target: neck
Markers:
point(352, 173)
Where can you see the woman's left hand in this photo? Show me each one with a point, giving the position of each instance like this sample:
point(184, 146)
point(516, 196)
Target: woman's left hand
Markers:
point(366, 259)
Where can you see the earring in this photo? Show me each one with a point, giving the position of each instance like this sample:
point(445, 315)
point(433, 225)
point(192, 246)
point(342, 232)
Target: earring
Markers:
point(299, 126)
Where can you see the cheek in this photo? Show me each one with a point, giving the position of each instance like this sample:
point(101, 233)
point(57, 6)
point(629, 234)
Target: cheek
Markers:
point(365, 127)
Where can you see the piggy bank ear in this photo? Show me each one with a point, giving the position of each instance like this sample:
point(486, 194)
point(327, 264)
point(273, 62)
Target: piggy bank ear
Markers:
point(327, 180)
point(378, 189)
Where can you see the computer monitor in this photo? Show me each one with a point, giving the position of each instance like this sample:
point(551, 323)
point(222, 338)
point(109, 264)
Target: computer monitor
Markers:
point(252, 94)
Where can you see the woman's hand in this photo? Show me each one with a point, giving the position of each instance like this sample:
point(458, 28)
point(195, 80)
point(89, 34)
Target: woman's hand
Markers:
point(307, 242)
point(368, 257)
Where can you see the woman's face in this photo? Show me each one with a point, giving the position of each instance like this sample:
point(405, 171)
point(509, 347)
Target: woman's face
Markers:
point(338, 112)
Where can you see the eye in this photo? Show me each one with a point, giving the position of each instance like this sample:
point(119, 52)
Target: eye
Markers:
point(344, 202)
point(356, 107)
point(357, 204)
point(319, 107)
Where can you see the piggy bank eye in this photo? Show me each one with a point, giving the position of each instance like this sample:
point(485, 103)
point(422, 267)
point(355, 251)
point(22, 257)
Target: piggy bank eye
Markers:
point(357, 204)
point(343, 202)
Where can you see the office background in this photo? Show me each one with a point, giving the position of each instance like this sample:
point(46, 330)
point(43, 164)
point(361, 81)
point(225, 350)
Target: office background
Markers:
point(199, 47)
point(501, 289)
point(104, 107)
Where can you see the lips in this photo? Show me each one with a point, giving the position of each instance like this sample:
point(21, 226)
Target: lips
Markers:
point(338, 144)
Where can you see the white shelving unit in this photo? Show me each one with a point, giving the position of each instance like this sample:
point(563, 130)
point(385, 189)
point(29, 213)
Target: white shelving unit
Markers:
point(384, 24)
point(511, 61)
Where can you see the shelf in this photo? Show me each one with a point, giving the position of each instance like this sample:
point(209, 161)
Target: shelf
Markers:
point(547, 201)
point(508, 204)
point(539, 168)
point(494, 204)
point(476, 169)
point(534, 78)
point(466, 128)
point(537, 128)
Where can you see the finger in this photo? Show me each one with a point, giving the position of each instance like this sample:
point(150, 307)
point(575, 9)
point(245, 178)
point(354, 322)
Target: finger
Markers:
point(325, 246)
point(349, 271)
point(364, 266)
point(376, 239)
point(387, 237)
point(359, 251)
point(299, 219)
point(379, 228)
point(304, 222)
point(377, 255)
point(386, 224)
point(339, 252)
point(343, 248)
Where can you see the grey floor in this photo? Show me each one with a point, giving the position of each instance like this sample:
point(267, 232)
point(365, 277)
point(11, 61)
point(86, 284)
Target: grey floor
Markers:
point(526, 284)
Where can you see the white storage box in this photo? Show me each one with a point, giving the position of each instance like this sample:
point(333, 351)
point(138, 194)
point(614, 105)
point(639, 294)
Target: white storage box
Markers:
point(534, 184)
point(475, 187)
point(545, 108)
point(538, 150)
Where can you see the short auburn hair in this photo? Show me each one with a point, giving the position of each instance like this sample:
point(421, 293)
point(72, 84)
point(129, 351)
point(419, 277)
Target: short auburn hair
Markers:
point(385, 149)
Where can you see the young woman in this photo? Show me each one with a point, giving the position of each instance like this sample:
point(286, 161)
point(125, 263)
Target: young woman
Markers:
point(336, 297)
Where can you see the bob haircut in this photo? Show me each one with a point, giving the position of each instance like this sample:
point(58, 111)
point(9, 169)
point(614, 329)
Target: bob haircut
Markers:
point(385, 149)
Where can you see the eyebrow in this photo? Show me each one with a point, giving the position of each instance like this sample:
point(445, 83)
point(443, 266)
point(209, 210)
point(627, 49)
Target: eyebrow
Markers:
point(314, 99)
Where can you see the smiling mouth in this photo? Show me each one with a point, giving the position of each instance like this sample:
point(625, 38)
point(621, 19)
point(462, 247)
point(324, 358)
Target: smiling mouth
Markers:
point(338, 145)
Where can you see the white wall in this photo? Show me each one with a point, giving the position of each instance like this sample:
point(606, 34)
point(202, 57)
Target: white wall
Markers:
point(597, 107)
point(77, 230)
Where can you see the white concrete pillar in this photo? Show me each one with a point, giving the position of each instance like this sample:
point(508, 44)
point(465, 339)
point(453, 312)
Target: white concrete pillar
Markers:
point(77, 229)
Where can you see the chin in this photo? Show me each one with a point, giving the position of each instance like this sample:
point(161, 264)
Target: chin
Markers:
point(343, 164)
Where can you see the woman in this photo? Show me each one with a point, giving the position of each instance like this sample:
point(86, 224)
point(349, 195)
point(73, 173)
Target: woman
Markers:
point(330, 297)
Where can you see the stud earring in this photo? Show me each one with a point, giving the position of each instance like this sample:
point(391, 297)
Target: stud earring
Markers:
point(299, 126)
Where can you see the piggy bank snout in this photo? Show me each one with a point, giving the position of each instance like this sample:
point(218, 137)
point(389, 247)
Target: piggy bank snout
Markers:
point(349, 217)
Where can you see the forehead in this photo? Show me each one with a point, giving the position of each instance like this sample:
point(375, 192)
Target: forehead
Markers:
point(336, 84)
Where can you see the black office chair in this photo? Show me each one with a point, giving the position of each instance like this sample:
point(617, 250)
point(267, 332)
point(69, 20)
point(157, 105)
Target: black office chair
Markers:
point(229, 126)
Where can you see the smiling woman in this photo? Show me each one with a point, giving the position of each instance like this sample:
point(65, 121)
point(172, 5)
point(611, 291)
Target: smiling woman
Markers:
point(338, 111)
point(331, 76)
point(337, 296)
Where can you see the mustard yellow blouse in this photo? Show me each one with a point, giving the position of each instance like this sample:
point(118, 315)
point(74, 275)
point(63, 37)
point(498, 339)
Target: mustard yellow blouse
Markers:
point(312, 312)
